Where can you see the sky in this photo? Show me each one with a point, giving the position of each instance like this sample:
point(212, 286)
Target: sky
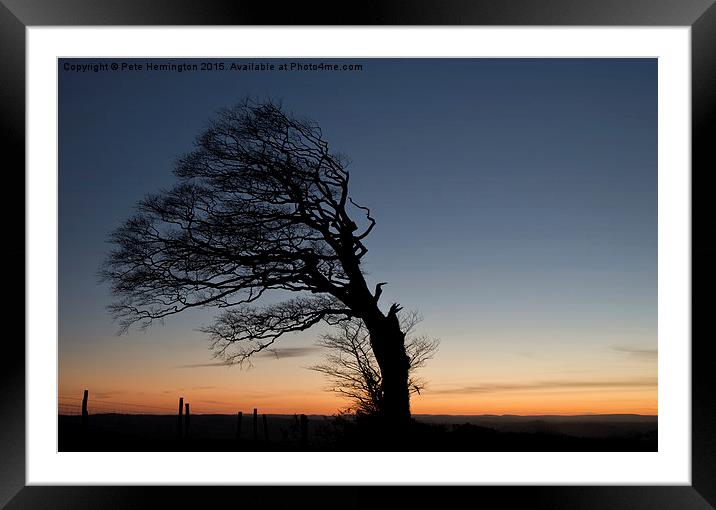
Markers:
point(516, 208)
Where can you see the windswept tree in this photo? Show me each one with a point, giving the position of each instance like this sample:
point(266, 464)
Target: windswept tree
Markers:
point(261, 204)
point(352, 369)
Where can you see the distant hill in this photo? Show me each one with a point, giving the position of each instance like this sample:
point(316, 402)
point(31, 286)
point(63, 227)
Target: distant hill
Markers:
point(452, 418)
point(590, 425)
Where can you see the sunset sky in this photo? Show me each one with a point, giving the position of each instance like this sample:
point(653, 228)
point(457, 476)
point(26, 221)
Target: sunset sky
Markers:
point(516, 203)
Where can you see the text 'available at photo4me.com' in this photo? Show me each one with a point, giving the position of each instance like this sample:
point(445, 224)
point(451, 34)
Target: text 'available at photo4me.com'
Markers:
point(208, 66)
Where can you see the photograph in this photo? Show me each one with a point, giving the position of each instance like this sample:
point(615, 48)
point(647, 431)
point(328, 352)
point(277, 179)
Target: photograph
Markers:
point(269, 252)
point(342, 254)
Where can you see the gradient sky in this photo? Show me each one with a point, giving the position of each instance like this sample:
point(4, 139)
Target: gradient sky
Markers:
point(516, 202)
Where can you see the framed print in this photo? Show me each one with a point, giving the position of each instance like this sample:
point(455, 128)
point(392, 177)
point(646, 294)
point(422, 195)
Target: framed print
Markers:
point(431, 245)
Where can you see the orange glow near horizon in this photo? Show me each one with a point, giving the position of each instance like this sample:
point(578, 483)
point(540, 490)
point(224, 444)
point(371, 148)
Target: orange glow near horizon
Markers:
point(574, 404)
point(216, 400)
point(136, 375)
point(563, 403)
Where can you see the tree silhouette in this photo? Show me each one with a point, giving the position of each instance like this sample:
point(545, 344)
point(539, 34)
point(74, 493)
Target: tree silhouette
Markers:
point(261, 204)
point(353, 371)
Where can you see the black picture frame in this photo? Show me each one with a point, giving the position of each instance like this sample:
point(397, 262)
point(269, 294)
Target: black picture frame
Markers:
point(700, 15)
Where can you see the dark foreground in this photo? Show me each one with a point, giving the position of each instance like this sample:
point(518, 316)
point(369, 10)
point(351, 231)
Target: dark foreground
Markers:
point(131, 432)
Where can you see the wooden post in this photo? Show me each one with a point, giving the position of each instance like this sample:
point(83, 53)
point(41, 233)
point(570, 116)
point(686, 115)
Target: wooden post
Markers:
point(179, 420)
point(85, 414)
point(256, 425)
point(304, 430)
point(266, 433)
point(186, 420)
point(238, 424)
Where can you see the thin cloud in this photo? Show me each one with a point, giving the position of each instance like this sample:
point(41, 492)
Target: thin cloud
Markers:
point(648, 382)
point(288, 352)
point(108, 394)
point(644, 354)
point(529, 355)
point(202, 365)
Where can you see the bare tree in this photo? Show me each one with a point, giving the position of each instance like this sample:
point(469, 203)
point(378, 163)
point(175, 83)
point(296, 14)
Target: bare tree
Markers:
point(262, 204)
point(353, 371)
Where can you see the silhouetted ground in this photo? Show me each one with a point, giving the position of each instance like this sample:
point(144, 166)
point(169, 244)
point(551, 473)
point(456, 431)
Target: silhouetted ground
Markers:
point(131, 432)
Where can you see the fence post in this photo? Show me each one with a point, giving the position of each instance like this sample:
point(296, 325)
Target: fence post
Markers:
point(85, 414)
point(304, 430)
point(238, 424)
point(256, 425)
point(186, 420)
point(179, 420)
point(266, 432)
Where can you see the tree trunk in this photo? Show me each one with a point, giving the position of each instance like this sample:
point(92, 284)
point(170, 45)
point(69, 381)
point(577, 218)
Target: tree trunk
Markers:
point(388, 344)
point(396, 396)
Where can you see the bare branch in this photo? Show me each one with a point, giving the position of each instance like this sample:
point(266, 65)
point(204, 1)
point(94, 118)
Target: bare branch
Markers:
point(378, 290)
point(352, 369)
point(260, 205)
point(243, 331)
